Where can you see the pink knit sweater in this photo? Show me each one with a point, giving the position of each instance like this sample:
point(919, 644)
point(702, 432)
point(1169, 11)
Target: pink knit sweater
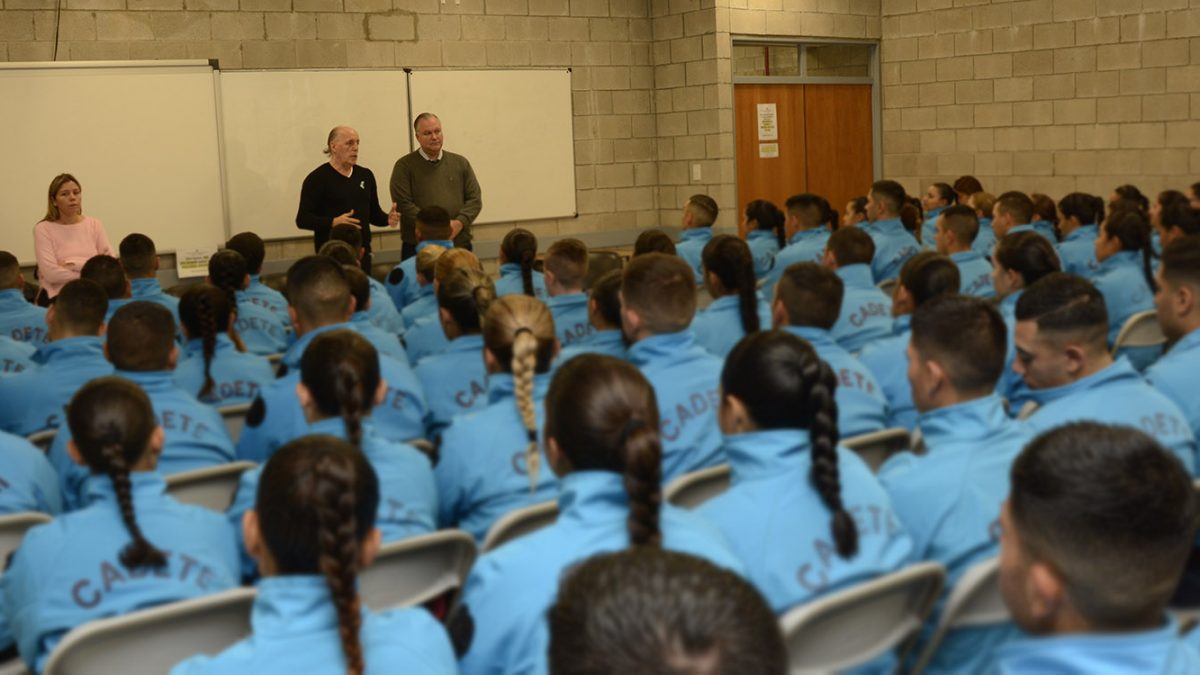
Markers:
point(63, 249)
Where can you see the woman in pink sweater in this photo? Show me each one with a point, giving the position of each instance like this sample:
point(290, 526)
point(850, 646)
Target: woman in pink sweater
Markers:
point(66, 239)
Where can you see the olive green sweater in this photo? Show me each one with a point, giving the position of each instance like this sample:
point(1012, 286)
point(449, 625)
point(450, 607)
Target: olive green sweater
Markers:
point(449, 183)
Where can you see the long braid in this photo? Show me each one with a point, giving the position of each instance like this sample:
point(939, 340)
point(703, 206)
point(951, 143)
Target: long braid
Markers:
point(643, 481)
point(824, 437)
point(350, 396)
point(524, 364)
point(747, 287)
point(208, 333)
point(139, 552)
point(527, 272)
point(337, 540)
point(1148, 264)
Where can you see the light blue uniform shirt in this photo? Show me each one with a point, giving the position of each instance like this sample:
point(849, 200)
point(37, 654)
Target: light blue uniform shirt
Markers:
point(718, 327)
point(424, 305)
point(608, 342)
point(866, 313)
point(237, 376)
point(510, 589)
point(401, 284)
point(764, 246)
point(887, 359)
point(929, 228)
point(511, 282)
point(1156, 651)
point(686, 381)
point(384, 342)
point(1175, 375)
point(803, 246)
point(1029, 227)
point(893, 247)
point(260, 329)
point(196, 436)
point(482, 472)
point(68, 572)
point(691, 248)
point(571, 321)
point(862, 406)
point(276, 418)
point(1122, 282)
point(28, 481)
point(295, 630)
point(1012, 387)
point(1078, 251)
point(265, 296)
point(22, 320)
point(34, 399)
point(455, 382)
point(975, 274)
point(150, 290)
point(383, 311)
point(985, 241)
point(425, 338)
point(949, 502)
point(1117, 395)
point(780, 529)
point(15, 356)
point(1046, 229)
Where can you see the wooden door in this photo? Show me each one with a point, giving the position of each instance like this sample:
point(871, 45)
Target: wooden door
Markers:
point(772, 178)
point(838, 147)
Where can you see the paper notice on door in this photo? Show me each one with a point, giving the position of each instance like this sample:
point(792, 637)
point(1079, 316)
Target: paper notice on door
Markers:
point(193, 262)
point(768, 150)
point(768, 128)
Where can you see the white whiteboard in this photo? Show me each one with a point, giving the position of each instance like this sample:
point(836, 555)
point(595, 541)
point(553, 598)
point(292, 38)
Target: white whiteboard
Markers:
point(275, 123)
point(515, 128)
point(140, 137)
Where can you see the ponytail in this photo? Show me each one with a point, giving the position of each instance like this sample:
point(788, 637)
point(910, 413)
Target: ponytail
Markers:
point(340, 369)
point(520, 246)
point(768, 217)
point(823, 435)
point(139, 552)
point(227, 271)
point(643, 482)
point(730, 260)
point(1131, 228)
point(208, 332)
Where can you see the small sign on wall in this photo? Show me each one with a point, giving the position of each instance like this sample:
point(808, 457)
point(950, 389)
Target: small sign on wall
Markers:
point(193, 262)
point(768, 128)
point(768, 150)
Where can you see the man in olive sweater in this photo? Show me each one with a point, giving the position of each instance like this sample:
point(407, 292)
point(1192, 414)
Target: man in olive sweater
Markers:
point(431, 176)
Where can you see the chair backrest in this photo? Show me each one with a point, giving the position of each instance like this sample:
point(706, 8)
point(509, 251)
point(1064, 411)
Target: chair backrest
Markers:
point(889, 286)
point(1027, 410)
point(212, 487)
point(275, 359)
point(1140, 330)
point(42, 439)
point(975, 601)
point(693, 489)
point(854, 626)
point(413, 571)
point(519, 523)
point(875, 448)
point(13, 528)
point(235, 418)
point(160, 636)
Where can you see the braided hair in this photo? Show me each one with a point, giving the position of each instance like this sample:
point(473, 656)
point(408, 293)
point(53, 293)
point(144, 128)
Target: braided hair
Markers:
point(204, 311)
point(520, 246)
point(227, 271)
point(785, 385)
point(112, 422)
point(729, 258)
point(340, 369)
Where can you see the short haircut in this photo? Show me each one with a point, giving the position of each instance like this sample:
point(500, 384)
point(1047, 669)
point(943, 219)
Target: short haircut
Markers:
point(1182, 216)
point(340, 251)
point(806, 208)
point(661, 289)
point(649, 610)
point(967, 336)
point(347, 233)
point(1112, 512)
point(433, 222)
point(927, 275)
point(360, 287)
point(963, 222)
point(606, 293)
point(851, 246)
point(427, 259)
point(138, 255)
point(1181, 262)
point(891, 192)
point(318, 290)
point(1028, 254)
point(10, 271)
point(1066, 305)
point(653, 241)
point(106, 271)
point(1018, 205)
point(983, 203)
point(141, 335)
point(704, 210)
point(911, 215)
point(811, 294)
point(252, 248)
point(968, 185)
point(1044, 207)
point(80, 307)
point(567, 259)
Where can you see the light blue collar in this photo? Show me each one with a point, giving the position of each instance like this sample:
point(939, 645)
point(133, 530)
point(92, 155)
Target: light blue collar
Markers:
point(858, 275)
point(651, 349)
point(500, 387)
point(1090, 232)
point(761, 234)
point(1008, 305)
point(819, 338)
point(1121, 259)
point(975, 420)
point(591, 495)
point(10, 296)
point(83, 345)
point(1027, 227)
point(444, 243)
point(696, 234)
point(293, 604)
point(1143, 652)
point(1119, 371)
point(466, 343)
point(567, 300)
point(195, 346)
point(294, 353)
point(933, 213)
point(151, 381)
point(902, 324)
point(807, 234)
point(767, 454)
point(144, 485)
point(1187, 343)
point(965, 256)
point(889, 225)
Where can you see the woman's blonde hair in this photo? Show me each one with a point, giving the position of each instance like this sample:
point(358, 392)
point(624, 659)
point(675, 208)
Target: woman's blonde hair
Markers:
point(453, 259)
point(52, 213)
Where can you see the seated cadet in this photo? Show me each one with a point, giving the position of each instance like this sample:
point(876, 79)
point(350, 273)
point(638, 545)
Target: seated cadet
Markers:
point(866, 312)
point(762, 228)
point(1126, 277)
point(455, 380)
point(1078, 227)
point(312, 530)
point(428, 336)
point(339, 386)
point(426, 303)
point(738, 308)
point(1012, 213)
point(937, 198)
point(107, 271)
point(1044, 219)
point(1063, 356)
point(30, 483)
point(699, 214)
point(1018, 262)
point(855, 213)
point(602, 441)
point(1178, 304)
point(1093, 538)
point(658, 301)
point(518, 250)
point(15, 356)
point(142, 349)
point(320, 301)
point(924, 277)
point(1176, 221)
point(807, 301)
point(604, 313)
point(692, 617)
point(132, 547)
point(259, 328)
point(957, 228)
point(806, 236)
point(489, 461)
point(565, 266)
point(432, 227)
point(949, 497)
point(139, 259)
point(893, 244)
point(653, 241)
point(20, 319)
point(383, 310)
point(253, 251)
point(985, 241)
point(215, 366)
point(384, 342)
point(779, 417)
point(33, 400)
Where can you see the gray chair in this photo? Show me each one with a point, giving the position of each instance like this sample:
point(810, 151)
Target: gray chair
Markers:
point(889, 286)
point(975, 601)
point(13, 528)
point(414, 571)
point(519, 523)
point(852, 627)
point(1140, 330)
point(235, 418)
point(160, 637)
point(693, 489)
point(42, 439)
point(212, 487)
point(1027, 410)
point(876, 447)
